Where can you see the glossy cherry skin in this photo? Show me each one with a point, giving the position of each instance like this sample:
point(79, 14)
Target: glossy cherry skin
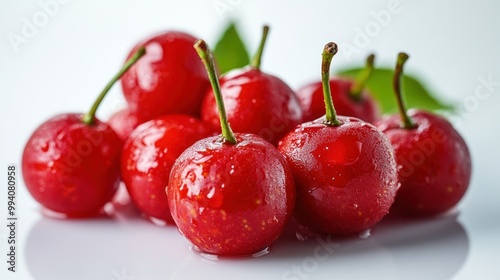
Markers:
point(70, 167)
point(231, 199)
point(345, 176)
point(169, 79)
point(313, 105)
point(124, 122)
point(434, 163)
point(148, 156)
point(256, 103)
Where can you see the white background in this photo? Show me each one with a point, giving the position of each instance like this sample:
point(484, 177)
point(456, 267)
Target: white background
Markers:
point(71, 56)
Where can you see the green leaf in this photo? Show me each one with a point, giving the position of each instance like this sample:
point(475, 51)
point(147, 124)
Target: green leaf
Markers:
point(416, 93)
point(230, 51)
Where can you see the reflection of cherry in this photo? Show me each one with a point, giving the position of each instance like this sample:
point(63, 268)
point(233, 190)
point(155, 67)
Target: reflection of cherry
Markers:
point(148, 156)
point(169, 80)
point(71, 162)
point(344, 170)
point(230, 194)
point(56, 241)
point(256, 102)
point(77, 243)
point(424, 242)
point(350, 98)
point(434, 161)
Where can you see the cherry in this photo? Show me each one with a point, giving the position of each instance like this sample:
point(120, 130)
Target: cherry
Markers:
point(230, 194)
point(350, 98)
point(70, 163)
point(170, 79)
point(344, 169)
point(124, 122)
point(256, 102)
point(434, 164)
point(148, 156)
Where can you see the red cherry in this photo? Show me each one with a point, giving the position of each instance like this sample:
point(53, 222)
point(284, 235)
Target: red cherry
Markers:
point(148, 156)
point(170, 79)
point(350, 98)
point(230, 194)
point(344, 169)
point(124, 122)
point(231, 199)
point(434, 164)
point(70, 163)
point(256, 102)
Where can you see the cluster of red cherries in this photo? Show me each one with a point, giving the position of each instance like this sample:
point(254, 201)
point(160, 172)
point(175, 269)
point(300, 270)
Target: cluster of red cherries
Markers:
point(232, 193)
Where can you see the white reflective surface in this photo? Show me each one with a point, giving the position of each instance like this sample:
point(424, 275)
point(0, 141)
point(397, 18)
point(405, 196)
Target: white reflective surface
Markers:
point(128, 245)
point(67, 61)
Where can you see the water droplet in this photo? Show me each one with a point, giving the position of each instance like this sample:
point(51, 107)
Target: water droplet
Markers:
point(427, 179)
point(345, 152)
point(44, 147)
point(264, 252)
point(317, 193)
point(211, 257)
point(365, 234)
point(156, 221)
point(211, 193)
point(202, 159)
point(300, 236)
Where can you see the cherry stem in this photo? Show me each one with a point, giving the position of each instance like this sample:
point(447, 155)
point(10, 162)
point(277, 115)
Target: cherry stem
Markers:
point(362, 78)
point(208, 60)
point(89, 118)
point(329, 51)
point(255, 62)
point(407, 122)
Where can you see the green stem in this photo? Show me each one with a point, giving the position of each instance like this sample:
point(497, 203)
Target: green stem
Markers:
point(329, 51)
point(207, 59)
point(255, 62)
point(90, 116)
point(407, 122)
point(362, 78)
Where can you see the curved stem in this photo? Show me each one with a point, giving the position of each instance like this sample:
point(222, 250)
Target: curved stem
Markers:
point(407, 122)
point(328, 52)
point(207, 59)
point(362, 78)
point(90, 116)
point(255, 62)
